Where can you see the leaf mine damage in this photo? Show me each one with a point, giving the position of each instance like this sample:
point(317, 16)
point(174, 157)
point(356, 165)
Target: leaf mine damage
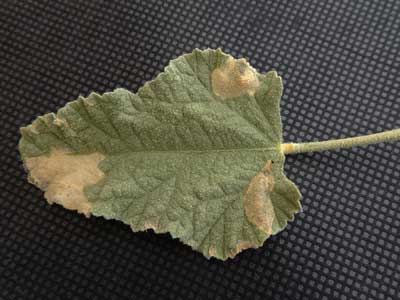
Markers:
point(234, 79)
point(64, 176)
point(257, 199)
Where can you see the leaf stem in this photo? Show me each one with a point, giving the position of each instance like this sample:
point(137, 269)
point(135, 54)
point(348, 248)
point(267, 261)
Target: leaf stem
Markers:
point(386, 136)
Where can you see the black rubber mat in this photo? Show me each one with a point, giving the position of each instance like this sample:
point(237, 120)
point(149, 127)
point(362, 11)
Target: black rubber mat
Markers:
point(340, 64)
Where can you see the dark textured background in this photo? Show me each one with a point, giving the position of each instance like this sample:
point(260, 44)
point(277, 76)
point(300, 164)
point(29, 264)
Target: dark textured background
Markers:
point(340, 64)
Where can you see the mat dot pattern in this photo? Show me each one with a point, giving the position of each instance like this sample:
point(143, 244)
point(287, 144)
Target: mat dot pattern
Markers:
point(340, 65)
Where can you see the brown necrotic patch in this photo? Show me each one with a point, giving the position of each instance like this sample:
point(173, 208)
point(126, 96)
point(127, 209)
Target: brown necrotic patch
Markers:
point(235, 78)
point(64, 176)
point(257, 200)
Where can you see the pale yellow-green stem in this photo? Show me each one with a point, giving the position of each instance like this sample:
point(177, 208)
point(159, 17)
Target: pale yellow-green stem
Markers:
point(386, 136)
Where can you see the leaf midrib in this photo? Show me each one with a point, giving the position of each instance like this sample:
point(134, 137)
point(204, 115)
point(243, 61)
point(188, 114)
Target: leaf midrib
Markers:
point(268, 149)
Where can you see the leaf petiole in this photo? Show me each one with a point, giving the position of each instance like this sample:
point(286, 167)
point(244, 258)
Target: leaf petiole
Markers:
point(386, 136)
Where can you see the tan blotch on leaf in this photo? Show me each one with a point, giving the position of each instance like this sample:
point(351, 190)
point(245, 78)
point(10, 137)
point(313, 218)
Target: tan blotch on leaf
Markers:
point(257, 200)
point(235, 78)
point(63, 177)
point(240, 246)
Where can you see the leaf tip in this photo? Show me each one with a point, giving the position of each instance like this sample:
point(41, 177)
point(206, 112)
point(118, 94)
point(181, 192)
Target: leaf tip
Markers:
point(63, 177)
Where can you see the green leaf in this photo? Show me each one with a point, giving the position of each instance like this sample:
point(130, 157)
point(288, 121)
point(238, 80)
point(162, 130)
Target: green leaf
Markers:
point(195, 152)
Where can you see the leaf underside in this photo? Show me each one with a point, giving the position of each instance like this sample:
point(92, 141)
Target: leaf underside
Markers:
point(178, 156)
